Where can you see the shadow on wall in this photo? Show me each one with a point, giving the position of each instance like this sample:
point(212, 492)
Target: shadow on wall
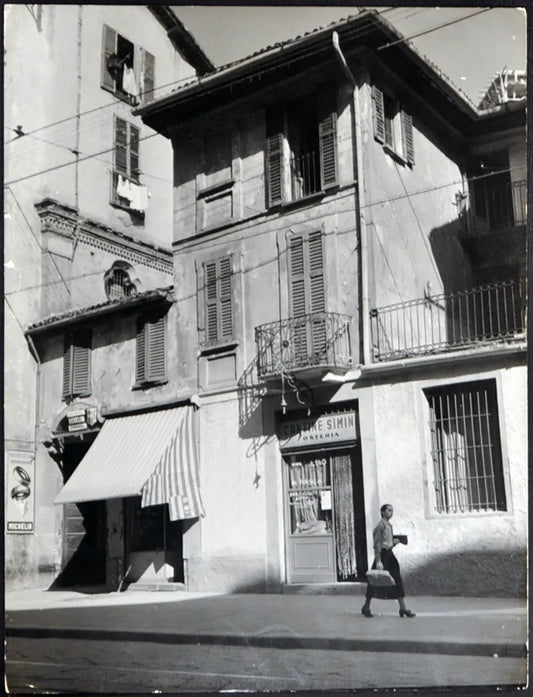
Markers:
point(472, 574)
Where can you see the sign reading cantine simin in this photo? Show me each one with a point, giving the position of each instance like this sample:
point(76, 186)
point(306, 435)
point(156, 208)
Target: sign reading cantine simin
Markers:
point(328, 428)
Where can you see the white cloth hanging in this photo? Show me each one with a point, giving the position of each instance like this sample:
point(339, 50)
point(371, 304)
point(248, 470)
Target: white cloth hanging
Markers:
point(128, 82)
point(124, 187)
point(138, 197)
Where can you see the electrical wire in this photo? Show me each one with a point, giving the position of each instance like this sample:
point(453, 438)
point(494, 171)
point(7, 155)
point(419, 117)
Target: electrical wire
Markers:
point(428, 31)
point(304, 226)
point(363, 30)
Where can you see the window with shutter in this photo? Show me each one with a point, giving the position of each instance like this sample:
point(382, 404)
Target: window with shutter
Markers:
point(392, 125)
point(77, 364)
point(218, 301)
point(127, 71)
point(150, 350)
point(306, 128)
point(126, 165)
point(307, 295)
point(148, 76)
point(407, 138)
point(328, 150)
point(378, 114)
point(275, 169)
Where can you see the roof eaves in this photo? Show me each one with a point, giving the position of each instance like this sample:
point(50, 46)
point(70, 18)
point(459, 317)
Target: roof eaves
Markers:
point(163, 295)
point(182, 39)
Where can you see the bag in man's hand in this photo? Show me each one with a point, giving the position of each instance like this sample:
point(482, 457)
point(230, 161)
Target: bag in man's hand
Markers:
point(378, 577)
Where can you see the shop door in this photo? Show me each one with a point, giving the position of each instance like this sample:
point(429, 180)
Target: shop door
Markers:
point(325, 533)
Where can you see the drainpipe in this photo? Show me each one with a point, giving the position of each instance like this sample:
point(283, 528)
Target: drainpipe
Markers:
point(359, 206)
point(35, 354)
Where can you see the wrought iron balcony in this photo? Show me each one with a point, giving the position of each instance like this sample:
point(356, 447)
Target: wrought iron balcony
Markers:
point(305, 175)
point(316, 340)
point(494, 208)
point(449, 321)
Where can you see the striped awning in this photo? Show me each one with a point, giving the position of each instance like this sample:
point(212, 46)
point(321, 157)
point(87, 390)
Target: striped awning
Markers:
point(153, 454)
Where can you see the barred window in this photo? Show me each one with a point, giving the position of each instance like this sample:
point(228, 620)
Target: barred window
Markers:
point(465, 448)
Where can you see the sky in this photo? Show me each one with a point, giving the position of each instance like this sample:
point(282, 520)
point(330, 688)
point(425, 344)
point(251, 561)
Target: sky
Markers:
point(469, 52)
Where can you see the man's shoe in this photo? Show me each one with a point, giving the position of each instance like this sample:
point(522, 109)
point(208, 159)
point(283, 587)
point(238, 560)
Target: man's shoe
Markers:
point(366, 612)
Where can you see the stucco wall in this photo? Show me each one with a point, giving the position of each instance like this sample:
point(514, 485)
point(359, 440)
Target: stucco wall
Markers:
point(411, 215)
point(233, 533)
point(451, 554)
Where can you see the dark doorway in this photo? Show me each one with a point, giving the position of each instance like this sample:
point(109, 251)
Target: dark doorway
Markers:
point(84, 532)
point(150, 529)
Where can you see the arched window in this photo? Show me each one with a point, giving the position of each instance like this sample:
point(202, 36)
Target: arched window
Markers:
point(118, 281)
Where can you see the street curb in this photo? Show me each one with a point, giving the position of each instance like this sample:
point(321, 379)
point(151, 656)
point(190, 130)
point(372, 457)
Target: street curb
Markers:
point(506, 650)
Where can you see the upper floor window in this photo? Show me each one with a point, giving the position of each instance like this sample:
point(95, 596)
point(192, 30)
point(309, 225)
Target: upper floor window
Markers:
point(218, 299)
point(127, 70)
point(77, 363)
point(301, 153)
point(118, 283)
point(465, 448)
point(393, 126)
point(150, 354)
point(127, 191)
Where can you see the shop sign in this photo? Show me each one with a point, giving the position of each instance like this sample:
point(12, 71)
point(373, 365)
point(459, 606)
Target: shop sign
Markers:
point(77, 420)
point(20, 492)
point(324, 429)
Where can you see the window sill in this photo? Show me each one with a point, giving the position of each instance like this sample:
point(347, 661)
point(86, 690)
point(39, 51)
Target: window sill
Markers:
point(304, 200)
point(147, 384)
point(124, 207)
point(226, 347)
point(124, 96)
point(215, 189)
point(69, 399)
point(395, 156)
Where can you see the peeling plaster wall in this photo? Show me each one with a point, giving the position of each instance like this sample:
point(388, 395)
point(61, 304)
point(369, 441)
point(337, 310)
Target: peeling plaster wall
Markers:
point(41, 79)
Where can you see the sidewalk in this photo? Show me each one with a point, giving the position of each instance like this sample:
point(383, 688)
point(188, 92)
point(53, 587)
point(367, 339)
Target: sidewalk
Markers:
point(443, 625)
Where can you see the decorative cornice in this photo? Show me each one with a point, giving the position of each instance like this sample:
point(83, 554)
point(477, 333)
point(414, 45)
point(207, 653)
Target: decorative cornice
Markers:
point(61, 219)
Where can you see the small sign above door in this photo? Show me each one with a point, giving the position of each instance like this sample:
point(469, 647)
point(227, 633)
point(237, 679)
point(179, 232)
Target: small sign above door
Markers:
point(324, 429)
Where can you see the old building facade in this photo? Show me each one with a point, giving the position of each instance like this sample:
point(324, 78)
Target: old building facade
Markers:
point(349, 260)
point(88, 191)
point(339, 322)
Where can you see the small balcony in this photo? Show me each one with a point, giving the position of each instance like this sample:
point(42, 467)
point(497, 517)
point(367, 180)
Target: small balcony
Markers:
point(495, 206)
point(313, 343)
point(449, 321)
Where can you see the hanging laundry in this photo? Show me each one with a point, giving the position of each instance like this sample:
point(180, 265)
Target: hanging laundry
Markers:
point(139, 197)
point(124, 187)
point(128, 82)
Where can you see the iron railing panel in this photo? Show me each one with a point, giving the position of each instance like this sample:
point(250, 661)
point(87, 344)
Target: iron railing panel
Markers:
point(449, 321)
point(315, 339)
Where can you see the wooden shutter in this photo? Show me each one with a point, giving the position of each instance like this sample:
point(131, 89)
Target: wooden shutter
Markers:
point(134, 152)
point(140, 353)
point(109, 42)
point(81, 357)
point(226, 309)
point(211, 306)
point(218, 300)
point(317, 299)
point(121, 146)
point(148, 76)
point(67, 366)
point(316, 273)
point(378, 114)
point(327, 132)
point(407, 138)
point(275, 169)
point(297, 277)
point(155, 354)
